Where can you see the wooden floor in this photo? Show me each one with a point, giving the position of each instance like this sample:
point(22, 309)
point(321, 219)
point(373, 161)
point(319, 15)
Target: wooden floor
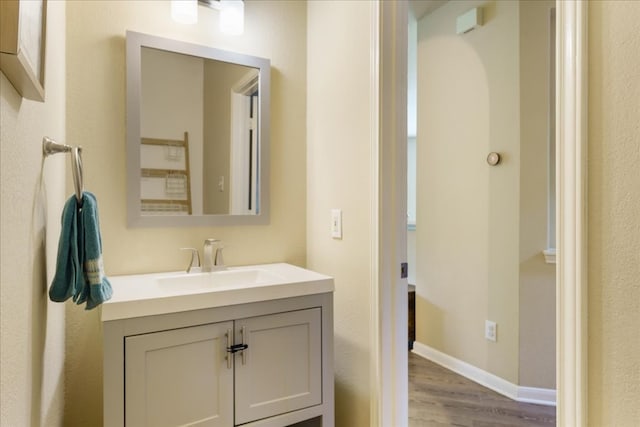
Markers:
point(439, 397)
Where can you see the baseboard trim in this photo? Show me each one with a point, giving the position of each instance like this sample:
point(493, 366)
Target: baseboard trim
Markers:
point(539, 396)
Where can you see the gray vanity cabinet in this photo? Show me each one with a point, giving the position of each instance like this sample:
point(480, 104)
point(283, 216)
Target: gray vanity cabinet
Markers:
point(177, 369)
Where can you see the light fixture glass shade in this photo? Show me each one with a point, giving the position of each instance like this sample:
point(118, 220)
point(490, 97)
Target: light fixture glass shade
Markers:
point(184, 11)
point(232, 17)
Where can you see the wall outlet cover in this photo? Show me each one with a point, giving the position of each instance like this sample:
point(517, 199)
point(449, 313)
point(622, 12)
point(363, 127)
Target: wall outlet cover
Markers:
point(491, 330)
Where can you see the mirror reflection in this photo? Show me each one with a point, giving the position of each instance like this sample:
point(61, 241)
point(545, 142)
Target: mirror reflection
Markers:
point(196, 112)
point(197, 144)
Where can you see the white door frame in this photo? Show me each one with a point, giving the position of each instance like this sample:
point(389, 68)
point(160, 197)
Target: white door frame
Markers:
point(389, 393)
point(571, 203)
point(389, 337)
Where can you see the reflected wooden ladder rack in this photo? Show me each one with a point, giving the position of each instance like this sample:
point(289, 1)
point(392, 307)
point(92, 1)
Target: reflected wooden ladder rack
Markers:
point(164, 172)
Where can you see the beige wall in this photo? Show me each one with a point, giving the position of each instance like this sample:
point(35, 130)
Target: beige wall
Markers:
point(96, 119)
point(339, 130)
point(32, 195)
point(537, 305)
point(613, 207)
point(468, 105)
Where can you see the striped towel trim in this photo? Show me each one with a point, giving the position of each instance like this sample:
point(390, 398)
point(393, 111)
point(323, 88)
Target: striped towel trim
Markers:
point(94, 271)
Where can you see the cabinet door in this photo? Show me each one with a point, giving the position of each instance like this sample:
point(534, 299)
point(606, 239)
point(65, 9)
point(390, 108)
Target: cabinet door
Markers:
point(281, 370)
point(179, 377)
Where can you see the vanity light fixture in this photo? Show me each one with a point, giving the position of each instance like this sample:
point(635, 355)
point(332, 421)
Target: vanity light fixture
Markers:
point(184, 11)
point(231, 15)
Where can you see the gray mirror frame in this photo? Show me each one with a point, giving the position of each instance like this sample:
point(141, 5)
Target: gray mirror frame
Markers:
point(134, 43)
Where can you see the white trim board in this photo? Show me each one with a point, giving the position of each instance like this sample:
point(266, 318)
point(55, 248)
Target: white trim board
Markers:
point(571, 220)
point(540, 396)
point(389, 356)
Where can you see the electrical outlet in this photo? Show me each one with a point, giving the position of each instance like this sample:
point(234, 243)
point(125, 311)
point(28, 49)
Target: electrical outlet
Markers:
point(490, 330)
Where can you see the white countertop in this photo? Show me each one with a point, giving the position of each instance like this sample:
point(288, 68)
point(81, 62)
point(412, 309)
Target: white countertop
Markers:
point(161, 293)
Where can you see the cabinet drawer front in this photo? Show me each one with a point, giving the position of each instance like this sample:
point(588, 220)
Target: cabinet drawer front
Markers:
point(179, 377)
point(282, 367)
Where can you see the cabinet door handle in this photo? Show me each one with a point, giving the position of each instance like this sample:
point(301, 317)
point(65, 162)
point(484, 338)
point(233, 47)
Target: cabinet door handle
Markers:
point(244, 355)
point(236, 348)
point(229, 345)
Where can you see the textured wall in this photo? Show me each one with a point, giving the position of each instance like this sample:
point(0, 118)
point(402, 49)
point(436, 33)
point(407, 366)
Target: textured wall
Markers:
point(613, 213)
point(96, 119)
point(32, 195)
point(339, 130)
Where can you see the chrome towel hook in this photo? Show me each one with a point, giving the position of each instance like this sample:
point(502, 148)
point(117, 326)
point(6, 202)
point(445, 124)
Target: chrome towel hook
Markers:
point(49, 147)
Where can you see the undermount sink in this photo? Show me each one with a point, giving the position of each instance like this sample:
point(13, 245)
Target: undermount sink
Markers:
point(140, 295)
point(220, 279)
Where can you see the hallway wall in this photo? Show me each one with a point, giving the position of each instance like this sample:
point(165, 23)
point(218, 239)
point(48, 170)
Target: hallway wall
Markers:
point(537, 285)
point(481, 230)
point(468, 212)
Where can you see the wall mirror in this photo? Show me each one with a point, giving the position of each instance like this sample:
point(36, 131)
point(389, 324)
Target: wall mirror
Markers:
point(197, 135)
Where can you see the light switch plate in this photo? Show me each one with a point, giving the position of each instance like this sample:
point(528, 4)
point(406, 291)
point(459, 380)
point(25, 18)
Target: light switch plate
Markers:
point(336, 223)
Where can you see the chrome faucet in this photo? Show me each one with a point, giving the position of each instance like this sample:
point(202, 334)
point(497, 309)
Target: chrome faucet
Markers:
point(213, 261)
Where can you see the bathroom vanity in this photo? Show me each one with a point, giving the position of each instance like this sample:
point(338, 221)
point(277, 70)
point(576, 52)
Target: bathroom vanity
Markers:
point(248, 346)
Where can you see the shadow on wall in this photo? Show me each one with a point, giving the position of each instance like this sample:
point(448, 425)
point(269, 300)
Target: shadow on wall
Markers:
point(39, 298)
point(83, 367)
point(347, 399)
point(432, 319)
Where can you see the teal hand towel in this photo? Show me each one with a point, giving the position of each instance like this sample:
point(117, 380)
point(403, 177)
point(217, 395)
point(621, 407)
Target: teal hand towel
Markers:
point(68, 280)
point(79, 267)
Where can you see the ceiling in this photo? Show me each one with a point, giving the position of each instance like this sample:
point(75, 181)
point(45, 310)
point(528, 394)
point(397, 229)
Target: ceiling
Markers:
point(421, 8)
